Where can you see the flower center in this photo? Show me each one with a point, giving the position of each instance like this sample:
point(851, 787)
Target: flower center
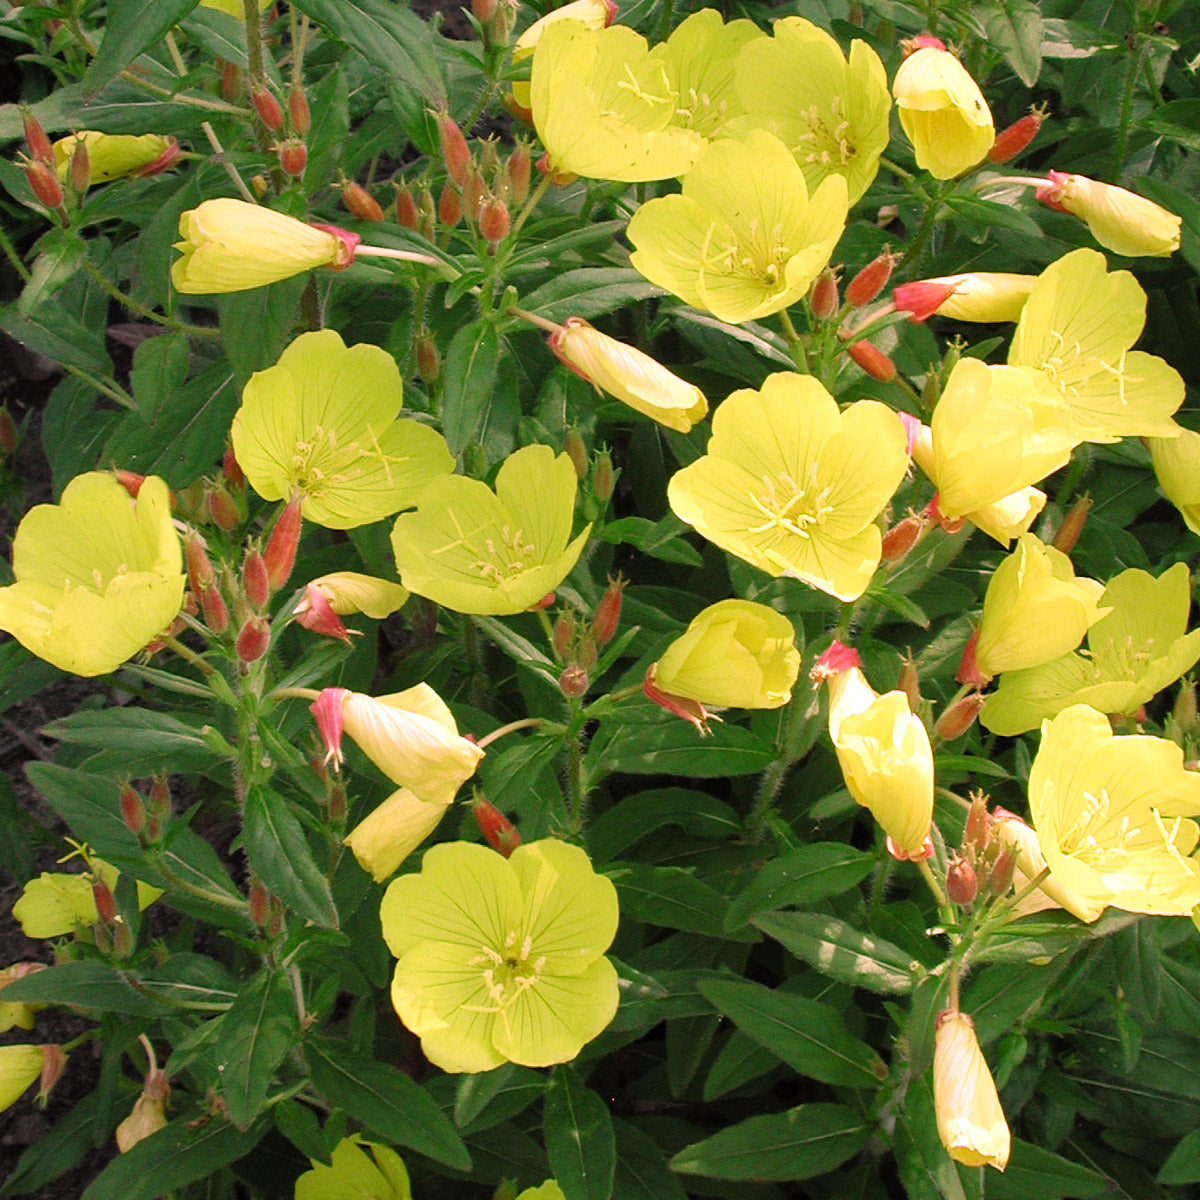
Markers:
point(508, 972)
point(825, 137)
point(1095, 839)
point(319, 464)
point(788, 506)
point(759, 256)
point(1068, 368)
point(700, 112)
point(497, 561)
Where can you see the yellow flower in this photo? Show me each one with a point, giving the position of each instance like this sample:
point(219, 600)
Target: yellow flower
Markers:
point(603, 107)
point(943, 112)
point(502, 960)
point(1022, 839)
point(995, 430)
point(793, 486)
point(384, 838)
point(352, 1174)
point(633, 377)
point(735, 654)
point(17, 1014)
point(593, 14)
point(1035, 609)
point(886, 760)
point(350, 592)
point(147, 1117)
point(744, 239)
point(497, 553)
point(230, 245)
point(111, 155)
point(831, 114)
point(1010, 516)
point(1177, 466)
point(19, 1067)
point(985, 296)
point(1112, 815)
point(98, 575)
point(1120, 220)
point(323, 420)
point(1133, 652)
point(1077, 327)
point(970, 1121)
point(701, 60)
point(57, 903)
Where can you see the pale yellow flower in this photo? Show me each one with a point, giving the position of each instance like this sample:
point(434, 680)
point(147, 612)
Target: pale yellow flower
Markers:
point(991, 296)
point(1177, 465)
point(970, 1121)
point(1120, 220)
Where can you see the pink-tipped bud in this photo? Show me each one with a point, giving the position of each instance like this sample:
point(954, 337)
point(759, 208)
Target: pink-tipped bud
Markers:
point(472, 195)
point(214, 609)
point(483, 10)
point(199, 567)
point(910, 682)
point(231, 469)
point(450, 206)
point(872, 360)
point(607, 617)
point(80, 170)
point(871, 280)
point(455, 152)
point(164, 162)
point(280, 552)
point(54, 1060)
point(429, 361)
point(298, 112)
point(8, 432)
point(574, 682)
point(360, 203)
point(518, 170)
point(577, 453)
point(133, 809)
point(959, 717)
point(961, 885)
point(976, 832)
point(494, 222)
point(316, 614)
point(40, 148)
point(824, 298)
point(691, 711)
point(562, 636)
point(1000, 877)
point(837, 659)
point(407, 216)
point(231, 81)
point(327, 711)
point(605, 477)
point(269, 110)
point(255, 583)
point(902, 537)
point(922, 41)
point(253, 639)
point(1011, 141)
point(293, 157)
point(500, 833)
point(260, 903)
point(106, 902)
point(159, 800)
point(221, 507)
point(44, 182)
point(1072, 526)
point(968, 666)
point(131, 481)
point(922, 298)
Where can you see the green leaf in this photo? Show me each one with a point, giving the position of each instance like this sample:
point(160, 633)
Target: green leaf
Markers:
point(256, 1034)
point(469, 384)
point(130, 28)
point(660, 539)
point(387, 1101)
point(61, 1148)
point(278, 853)
point(797, 1144)
point(809, 1036)
point(87, 984)
point(989, 213)
point(148, 740)
point(179, 1154)
point(52, 331)
point(1178, 120)
point(804, 876)
point(1002, 996)
point(648, 999)
point(1183, 1163)
point(589, 292)
point(298, 1123)
point(61, 255)
point(579, 1137)
point(1014, 27)
point(669, 896)
point(270, 312)
point(329, 106)
point(627, 822)
point(159, 369)
point(487, 1098)
point(642, 1171)
point(1032, 1171)
point(658, 748)
point(839, 950)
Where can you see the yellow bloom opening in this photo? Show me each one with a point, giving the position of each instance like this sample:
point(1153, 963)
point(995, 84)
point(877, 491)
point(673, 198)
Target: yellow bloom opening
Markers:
point(1177, 466)
point(111, 155)
point(970, 1121)
point(985, 296)
point(1120, 220)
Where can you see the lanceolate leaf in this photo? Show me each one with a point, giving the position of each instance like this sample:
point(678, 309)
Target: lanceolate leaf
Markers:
point(130, 28)
point(579, 1138)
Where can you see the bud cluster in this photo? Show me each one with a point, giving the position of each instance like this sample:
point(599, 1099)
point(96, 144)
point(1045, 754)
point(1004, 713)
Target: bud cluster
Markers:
point(983, 865)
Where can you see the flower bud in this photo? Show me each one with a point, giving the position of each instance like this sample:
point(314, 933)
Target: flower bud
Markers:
point(159, 800)
point(231, 80)
point(872, 360)
point(80, 170)
point(573, 682)
point(280, 553)
point(1120, 220)
point(429, 361)
point(40, 148)
point(871, 280)
point(1068, 532)
point(106, 902)
point(1185, 708)
point(961, 884)
point(293, 157)
point(922, 298)
point(959, 717)
point(482, 10)
point(472, 194)
point(577, 453)
point(253, 639)
point(563, 634)
point(518, 169)
point(270, 113)
point(133, 809)
point(970, 1121)
point(54, 1060)
point(902, 537)
point(214, 609)
point(316, 614)
point(1011, 141)
point(44, 182)
point(427, 214)
point(222, 508)
point(496, 828)
point(199, 568)
point(1001, 875)
point(910, 682)
point(255, 583)
point(824, 296)
point(968, 666)
point(407, 216)
point(977, 829)
point(336, 805)
point(260, 903)
point(360, 202)
point(607, 616)
point(585, 650)
point(494, 222)
point(298, 112)
point(605, 478)
point(455, 152)
point(8, 431)
point(146, 1118)
point(450, 206)
point(231, 469)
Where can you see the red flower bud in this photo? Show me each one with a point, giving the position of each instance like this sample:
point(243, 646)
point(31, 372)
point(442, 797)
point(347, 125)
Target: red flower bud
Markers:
point(563, 634)
point(293, 157)
point(159, 801)
point(253, 639)
point(605, 478)
point(455, 152)
point(199, 568)
point(976, 832)
point(231, 80)
point(922, 298)
point(577, 453)
point(1011, 141)
point(214, 609)
point(298, 110)
point(824, 299)
point(494, 221)
point(959, 717)
point(270, 113)
point(871, 280)
point(39, 145)
point(1001, 875)
point(518, 169)
point(429, 361)
point(255, 583)
point(910, 682)
point(500, 832)
point(222, 508)
point(607, 616)
point(961, 884)
point(232, 470)
point(472, 195)
point(406, 208)
point(260, 903)
point(873, 361)
point(360, 202)
point(106, 902)
point(44, 182)
point(902, 537)
point(482, 10)
point(80, 172)
point(1072, 525)
point(573, 682)
point(280, 553)
point(133, 809)
point(968, 665)
point(450, 206)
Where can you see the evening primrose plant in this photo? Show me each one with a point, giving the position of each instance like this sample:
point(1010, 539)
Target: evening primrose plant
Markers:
point(606, 599)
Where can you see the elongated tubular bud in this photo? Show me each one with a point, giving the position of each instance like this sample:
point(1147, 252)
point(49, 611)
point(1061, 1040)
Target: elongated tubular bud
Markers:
point(1011, 141)
point(269, 110)
point(253, 639)
point(40, 147)
point(455, 152)
point(872, 360)
point(298, 112)
point(280, 552)
point(871, 280)
point(360, 202)
point(824, 299)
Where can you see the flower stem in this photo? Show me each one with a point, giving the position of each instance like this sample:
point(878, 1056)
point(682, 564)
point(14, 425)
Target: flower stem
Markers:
point(187, 654)
point(13, 257)
point(416, 256)
point(534, 319)
point(111, 388)
point(293, 693)
point(141, 310)
point(511, 727)
point(795, 342)
point(932, 883)
point(1118, 162)
point(530, 204)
